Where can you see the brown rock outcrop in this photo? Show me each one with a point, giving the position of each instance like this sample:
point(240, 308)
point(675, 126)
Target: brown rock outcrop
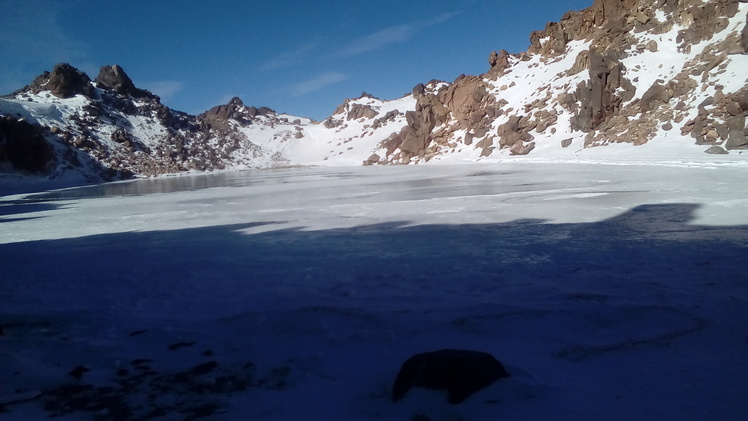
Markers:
point(608, 20)
point(721, 121)
point(114, 78)
point(466, 99)
point(381, 121)
point(599, 97)
point(520, 148)
point(736, 140)
point(64, 81)
point(510, 133)
point(373, 159)
point(499, 62)
point(465, 105)
point(704, 20)
point(656, 94)
point(218, 116)
point(361, 111)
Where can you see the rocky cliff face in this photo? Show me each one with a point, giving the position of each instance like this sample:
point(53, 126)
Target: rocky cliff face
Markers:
point(590, 76)
point(619, 72)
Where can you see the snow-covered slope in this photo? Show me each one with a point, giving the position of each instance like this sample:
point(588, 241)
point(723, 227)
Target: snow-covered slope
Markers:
point(634, 80)
point(353, 134)
point(635, 76)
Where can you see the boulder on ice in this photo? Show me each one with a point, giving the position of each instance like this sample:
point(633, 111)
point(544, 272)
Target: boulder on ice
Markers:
point(460, 372)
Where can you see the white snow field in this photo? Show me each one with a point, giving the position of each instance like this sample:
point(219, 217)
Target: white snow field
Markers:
point(610, 292)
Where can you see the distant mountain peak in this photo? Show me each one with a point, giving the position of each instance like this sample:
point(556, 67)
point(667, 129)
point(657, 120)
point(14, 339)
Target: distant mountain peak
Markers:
point(115, 79)
point(235, 110)
point(236, 101)
point(64, 81)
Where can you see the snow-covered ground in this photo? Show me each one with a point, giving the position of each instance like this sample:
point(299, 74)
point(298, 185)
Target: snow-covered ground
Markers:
point(612, 292)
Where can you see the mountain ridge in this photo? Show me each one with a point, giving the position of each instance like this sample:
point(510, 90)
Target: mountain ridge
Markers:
point(621, 71)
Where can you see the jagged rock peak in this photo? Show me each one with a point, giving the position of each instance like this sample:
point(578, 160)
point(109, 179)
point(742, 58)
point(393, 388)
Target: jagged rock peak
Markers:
point(432, 87)
point(65, 81)
point(114, 78)
point(498, 62)
point(236, 101)
point(233, 110)
point(366, 95)
point(418, 90)
point(343, 108)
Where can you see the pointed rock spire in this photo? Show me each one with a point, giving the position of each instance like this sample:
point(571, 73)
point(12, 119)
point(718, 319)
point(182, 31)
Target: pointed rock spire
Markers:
point(114, 78)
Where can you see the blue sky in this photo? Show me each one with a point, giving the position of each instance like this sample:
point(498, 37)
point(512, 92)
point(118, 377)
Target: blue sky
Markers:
point(301, 58)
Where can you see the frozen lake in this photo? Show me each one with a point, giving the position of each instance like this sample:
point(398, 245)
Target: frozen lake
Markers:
point(321, 198)
point(609, 292)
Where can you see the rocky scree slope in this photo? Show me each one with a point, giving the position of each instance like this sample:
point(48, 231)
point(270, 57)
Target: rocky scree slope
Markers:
point(640, 72)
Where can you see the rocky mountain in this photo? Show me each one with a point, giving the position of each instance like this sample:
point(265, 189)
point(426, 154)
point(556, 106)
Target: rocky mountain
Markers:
point(638, 72)
point(109, 129)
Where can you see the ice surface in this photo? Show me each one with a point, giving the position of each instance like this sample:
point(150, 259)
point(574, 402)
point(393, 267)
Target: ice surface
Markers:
point(609, 292)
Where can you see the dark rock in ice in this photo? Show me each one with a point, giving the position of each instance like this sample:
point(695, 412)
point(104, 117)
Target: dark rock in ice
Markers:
point(203, 368)
point(77, 372)
point(178, 345)
point(460, 372)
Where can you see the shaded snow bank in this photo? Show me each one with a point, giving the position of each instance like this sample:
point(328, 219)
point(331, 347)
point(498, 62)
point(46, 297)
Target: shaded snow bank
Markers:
point(297, 294)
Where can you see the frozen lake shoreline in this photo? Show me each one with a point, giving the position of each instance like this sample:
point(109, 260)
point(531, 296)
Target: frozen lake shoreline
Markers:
point(322, 198)
point(608, 291)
